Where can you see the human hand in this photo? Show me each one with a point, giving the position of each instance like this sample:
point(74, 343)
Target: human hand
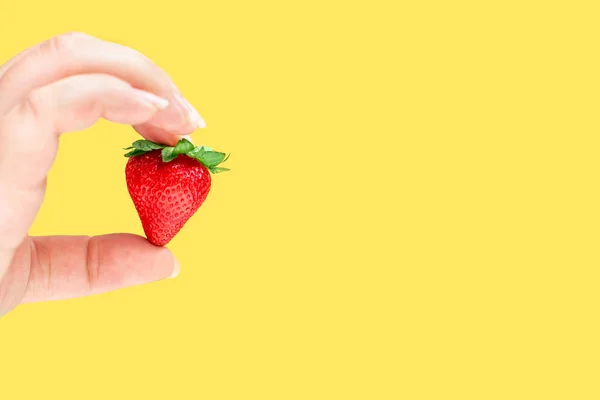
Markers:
point(63, 85)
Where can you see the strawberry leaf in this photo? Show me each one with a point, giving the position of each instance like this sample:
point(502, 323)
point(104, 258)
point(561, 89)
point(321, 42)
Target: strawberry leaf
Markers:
point(209, 158)
point(197, 151)
point(146, 145)
point(168, 154)
point(183, 146)
point(216, 170)
point(134, 153)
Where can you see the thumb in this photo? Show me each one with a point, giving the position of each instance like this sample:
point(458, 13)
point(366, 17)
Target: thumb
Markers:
point(63, 267)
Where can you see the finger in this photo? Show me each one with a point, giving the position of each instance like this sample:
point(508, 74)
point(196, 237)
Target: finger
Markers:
point(30, 138)
point(77, 53)
point(64, 267)
point(77, 102)
point(13, 60)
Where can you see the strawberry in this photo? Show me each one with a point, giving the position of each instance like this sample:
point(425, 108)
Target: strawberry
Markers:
point(169, 184)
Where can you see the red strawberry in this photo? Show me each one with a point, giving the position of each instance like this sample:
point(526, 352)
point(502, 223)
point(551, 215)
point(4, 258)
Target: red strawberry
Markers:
point(169, 184)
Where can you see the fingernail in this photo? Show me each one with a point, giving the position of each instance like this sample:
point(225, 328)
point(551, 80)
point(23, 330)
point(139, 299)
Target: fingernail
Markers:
point(188, 137)
point(197, 120)
point(176, 269)
point(192, 115)
point(152, 99)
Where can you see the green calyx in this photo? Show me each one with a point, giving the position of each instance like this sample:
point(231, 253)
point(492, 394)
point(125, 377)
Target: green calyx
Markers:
point(207, 156)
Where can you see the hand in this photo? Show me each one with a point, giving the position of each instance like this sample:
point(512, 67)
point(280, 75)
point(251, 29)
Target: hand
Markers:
point(66, 84)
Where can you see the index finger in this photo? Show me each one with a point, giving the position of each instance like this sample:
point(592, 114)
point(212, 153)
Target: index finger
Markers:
point(78, 53)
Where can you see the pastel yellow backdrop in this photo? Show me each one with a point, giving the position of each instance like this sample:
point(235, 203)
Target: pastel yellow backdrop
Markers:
point(412, 211)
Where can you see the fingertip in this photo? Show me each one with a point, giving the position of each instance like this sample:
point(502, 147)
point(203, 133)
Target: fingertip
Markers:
point(192, 115)
point(157, 135)
point(197, 120)
point(165, 261)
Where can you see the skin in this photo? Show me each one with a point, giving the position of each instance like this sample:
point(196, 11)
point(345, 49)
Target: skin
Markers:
point(67, 84)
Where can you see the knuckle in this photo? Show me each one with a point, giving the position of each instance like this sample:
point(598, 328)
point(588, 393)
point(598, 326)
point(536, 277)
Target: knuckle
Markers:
point(34, 103)
point(74, 35)
point(65, 43)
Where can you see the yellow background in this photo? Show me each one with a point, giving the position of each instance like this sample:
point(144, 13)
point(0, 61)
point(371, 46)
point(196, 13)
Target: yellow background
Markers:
point(413, 211)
